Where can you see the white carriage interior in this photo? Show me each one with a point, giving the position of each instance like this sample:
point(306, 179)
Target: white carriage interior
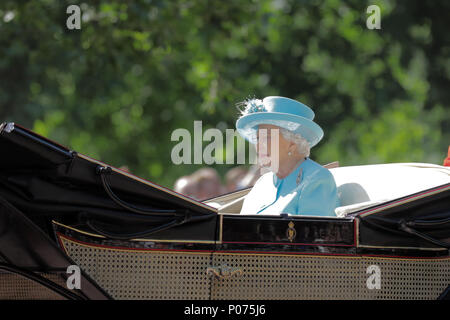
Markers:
point(364, 186)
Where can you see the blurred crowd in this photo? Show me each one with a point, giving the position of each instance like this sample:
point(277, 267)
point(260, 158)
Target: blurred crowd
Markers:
point(205, 183)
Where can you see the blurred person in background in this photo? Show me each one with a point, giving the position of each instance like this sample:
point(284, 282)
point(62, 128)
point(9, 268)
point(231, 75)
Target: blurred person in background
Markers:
point(186, 186)
point(234, 178)
point(208, 183)
point(251, 177)
point(201, 185)
point(447, 160)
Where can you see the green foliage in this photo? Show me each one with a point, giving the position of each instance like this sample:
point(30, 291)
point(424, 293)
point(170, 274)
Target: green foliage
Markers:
point(137, 70)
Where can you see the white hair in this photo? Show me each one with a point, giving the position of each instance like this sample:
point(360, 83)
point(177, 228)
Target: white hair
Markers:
point(302, 143)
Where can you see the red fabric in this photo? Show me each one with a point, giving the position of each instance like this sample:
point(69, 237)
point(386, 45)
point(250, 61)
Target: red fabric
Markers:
point(447, 160)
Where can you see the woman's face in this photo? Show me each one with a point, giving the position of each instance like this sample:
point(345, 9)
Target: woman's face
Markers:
point(272, 147)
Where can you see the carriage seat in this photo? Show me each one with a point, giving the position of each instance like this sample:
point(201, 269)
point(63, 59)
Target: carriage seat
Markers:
point(364, 186)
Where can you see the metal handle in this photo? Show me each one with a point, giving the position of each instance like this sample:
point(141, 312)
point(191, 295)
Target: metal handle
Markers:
point(224, 271)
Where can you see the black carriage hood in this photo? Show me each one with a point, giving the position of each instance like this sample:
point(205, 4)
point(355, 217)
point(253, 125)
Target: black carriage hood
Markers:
point(420, 221)
point(45, 181)
point(416, 221)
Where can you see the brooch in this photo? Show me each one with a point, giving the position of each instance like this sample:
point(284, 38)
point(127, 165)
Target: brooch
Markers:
point(299, 177)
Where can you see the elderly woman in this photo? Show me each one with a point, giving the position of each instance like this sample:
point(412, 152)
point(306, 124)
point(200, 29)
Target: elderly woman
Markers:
point(284, 132)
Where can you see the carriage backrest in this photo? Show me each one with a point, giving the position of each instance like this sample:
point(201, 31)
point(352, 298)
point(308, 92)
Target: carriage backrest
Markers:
point(363, 186)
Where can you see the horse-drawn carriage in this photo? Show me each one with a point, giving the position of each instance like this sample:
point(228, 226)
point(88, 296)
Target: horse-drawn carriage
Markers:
point(133, 239)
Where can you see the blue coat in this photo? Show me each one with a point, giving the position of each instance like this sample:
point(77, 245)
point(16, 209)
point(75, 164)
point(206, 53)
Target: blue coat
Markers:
point(309, 190)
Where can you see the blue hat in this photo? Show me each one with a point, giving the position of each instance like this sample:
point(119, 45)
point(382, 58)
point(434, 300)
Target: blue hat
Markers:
point(282, 112)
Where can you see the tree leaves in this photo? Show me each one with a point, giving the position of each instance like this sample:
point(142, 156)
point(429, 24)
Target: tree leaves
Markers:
point(136, 71)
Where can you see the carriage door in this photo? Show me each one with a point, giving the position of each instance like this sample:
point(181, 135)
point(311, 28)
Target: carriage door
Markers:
point(284, 258)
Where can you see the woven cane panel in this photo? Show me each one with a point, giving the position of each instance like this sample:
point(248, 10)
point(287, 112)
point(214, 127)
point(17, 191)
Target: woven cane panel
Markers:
point(16, 287)
point(133, 274)
point(306, 277)
point(407, 279)
point(287, 277)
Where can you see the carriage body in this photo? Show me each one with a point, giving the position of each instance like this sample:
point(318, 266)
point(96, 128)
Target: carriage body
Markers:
point(133, 239)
